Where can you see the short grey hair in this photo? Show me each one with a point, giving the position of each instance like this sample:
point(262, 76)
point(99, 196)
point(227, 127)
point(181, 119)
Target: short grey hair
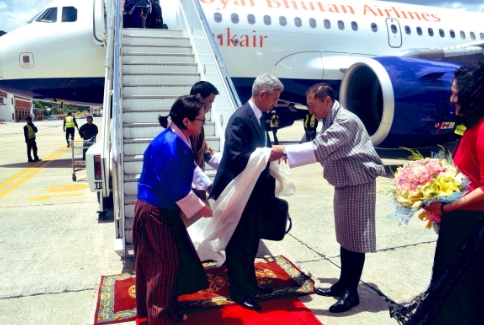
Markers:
point(266, 83)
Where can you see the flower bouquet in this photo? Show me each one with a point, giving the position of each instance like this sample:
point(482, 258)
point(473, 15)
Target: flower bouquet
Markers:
point(423, 181)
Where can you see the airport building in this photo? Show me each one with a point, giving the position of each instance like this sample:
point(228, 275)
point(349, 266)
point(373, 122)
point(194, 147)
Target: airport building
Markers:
point(14, 108)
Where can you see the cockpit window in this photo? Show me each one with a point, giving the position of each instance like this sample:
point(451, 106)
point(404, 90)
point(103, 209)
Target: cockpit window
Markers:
point(34, 18)
point(48, 16)
point(69, 14)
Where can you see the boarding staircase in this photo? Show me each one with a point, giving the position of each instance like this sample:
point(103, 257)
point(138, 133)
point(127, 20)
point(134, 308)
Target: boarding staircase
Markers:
point(151, 68)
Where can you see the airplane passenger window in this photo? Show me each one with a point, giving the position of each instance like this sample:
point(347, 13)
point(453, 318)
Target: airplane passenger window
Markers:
point(482, 36)
point(251, 19)
point(282, 21)
point(217, 17)
point(297, 22)
point(374, 27)
point(312, 22)
point(327, 24)
point(234, 18)
point(69, 14)
point(452, 33)
point(431, 32)
point(473, 36)
point(441, 32)
point(341, 24)
point(48, 16)
point(394, 29)
point(354, 25)
point(408, 31)
point(267, 20)
point(462, 34)
point(419, 31)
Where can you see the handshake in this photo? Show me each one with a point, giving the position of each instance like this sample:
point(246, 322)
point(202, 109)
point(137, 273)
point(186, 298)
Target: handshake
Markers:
point(278, 152)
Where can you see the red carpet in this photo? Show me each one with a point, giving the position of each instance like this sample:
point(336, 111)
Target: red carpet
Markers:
point(277, 311)
point(116, 301)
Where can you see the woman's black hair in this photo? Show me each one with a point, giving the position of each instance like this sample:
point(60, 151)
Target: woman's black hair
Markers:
point(470, 92)
point(184, 107)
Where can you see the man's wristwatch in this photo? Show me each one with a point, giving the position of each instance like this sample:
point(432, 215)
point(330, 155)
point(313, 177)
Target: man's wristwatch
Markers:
point(284, 151)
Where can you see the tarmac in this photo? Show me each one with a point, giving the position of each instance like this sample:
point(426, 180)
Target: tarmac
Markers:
point(54, 249)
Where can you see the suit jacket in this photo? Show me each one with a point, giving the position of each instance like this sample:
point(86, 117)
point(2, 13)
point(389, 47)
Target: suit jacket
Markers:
point(242, 136)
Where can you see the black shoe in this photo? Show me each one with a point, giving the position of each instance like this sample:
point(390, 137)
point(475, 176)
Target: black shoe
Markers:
point(347, 301)
point(261, 290)
point(30, 160)
point(249, 303)
point(328, 292)
point(37, 159)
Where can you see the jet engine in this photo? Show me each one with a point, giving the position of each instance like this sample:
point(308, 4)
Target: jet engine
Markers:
point(402, 101)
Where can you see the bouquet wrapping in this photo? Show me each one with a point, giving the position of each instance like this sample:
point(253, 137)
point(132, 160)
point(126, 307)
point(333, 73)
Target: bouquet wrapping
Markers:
point(423, 181)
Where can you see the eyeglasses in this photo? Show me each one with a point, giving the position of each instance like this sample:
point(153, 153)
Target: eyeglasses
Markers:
point(200, 119)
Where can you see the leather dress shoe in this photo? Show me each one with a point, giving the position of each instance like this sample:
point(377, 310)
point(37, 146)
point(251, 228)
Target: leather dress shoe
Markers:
point(347, 301)
point(249, 303)
point(327, 292)
point(263, 290)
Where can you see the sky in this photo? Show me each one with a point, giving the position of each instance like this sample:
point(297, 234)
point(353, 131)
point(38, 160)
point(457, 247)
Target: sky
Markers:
point(15, 13)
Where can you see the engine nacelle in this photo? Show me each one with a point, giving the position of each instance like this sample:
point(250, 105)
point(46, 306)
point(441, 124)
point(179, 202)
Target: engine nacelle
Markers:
point(401, 101)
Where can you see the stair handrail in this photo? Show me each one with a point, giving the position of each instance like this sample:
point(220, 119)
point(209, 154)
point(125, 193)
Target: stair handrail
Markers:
point(112, 119)
point(232, 96)
point(217, 55)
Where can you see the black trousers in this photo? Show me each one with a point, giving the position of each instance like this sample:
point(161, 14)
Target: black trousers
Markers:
point(241, 252)
point(70, 134)
point(31, 146)
point(351, 268)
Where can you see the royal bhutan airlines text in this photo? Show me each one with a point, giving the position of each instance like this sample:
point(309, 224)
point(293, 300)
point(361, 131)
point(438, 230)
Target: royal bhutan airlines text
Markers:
point(326, 7)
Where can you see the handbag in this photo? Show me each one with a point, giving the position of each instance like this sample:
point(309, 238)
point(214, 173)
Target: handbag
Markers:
point(275, 216)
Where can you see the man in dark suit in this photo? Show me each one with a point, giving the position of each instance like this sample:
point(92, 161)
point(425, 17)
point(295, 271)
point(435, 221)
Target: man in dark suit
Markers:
point(243, 134)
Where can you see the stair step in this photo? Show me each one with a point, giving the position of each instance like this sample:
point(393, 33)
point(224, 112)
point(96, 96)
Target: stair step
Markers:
point(134, 50)
point(160, 68)
point(156, 89)
point(165, 78)
point(147, 126)
point(138, 146)
point(155, 58)
point(160, 103)
point(155, 40)
point(139, 32)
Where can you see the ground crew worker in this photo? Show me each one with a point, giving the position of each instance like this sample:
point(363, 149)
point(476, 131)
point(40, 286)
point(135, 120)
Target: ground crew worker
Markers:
point(69, 125)
point(310, 126)
point(29, 132)
point(274, 124)
point(88, 132)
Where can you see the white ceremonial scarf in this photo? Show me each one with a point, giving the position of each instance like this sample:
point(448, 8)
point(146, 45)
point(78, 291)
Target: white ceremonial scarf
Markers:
point(210, 236)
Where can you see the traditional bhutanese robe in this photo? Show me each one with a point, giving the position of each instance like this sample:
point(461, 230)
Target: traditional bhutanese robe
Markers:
point(351, 165)
point(166, 262)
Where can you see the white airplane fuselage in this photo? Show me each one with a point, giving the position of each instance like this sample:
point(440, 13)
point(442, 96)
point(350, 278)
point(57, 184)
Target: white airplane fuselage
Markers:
point(300, 42)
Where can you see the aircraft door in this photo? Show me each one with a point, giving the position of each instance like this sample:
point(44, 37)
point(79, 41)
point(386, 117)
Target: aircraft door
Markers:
point(394, 33)
point(302, 65)
point(98, 22)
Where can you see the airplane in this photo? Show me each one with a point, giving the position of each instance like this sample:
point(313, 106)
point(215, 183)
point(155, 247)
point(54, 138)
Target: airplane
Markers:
point(391, 64)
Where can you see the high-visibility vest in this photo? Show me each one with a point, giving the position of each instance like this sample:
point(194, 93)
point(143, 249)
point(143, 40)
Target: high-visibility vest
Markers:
point(70, 122)
point(30, 133)
point(274, 121)
point(311, 121)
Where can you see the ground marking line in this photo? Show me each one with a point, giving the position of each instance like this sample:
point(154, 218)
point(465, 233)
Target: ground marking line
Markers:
point(24, 175)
